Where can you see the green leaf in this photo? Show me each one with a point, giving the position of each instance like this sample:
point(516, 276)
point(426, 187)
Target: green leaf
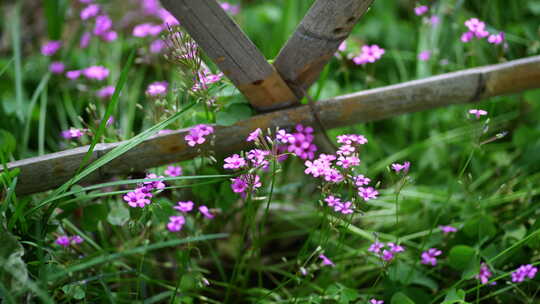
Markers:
point(460, 256)
point(454, 296)
point(233, 114)
point(480, 227)
point(401, 298)
point(13, 272)
point(119, 214)
point(8, 143)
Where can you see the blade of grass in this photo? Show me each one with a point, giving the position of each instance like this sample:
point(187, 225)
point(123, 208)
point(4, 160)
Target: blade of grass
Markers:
point(142, 249)
point(114, 153)
point(16, 41)
point(41, 125)
point(5, 67)
point(26, 133)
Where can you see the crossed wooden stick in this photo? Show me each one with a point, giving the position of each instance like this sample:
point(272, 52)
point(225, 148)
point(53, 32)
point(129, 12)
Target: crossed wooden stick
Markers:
point(277, 89)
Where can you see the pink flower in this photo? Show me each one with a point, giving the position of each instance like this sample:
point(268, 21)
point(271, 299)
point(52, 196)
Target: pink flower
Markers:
point(467, 36)
point(51, 47)
point(430, 256)
point(257, 157)
point(184, 206)
point(346, 150)
point(90, 11)
point(244, 182)
point(76, 240)
point(424, 55)
point(254, 135)
point(477, 113)
point(72, 133)
point(176, 222)
point(167, 18)
point(302, 144)
point(109, 36)
point(395, 248)
point(326, 261)
point(387, 255)
point(157, 46)
point(344, 208)
point(484, 274)
point(63, 240)
point(137, 198)
point(523, 272)
point(197, 134)
point(283, 137)
point(496, 38)
point(230, 8)
point(205, 212)
point(103, 25)
point(447, 229)
point(420, 10)
point(105, 92)
point(361, 180)
point(351, 139)
point(342, 46)
point(234, 162)
point(74, 74)
point(57, 67)
point(369, 54)
point(205, 79)
point(375, 301)
point(348, 161)
point(173, 171)
point(399, 167)
point(376, 247)
point(367, 193)
point(147, 29)
point(434, 20)
point(85, 40)
point(158, 184)
point(477, 27)
point(96, 72)
point(157, 88)
point(332, 201)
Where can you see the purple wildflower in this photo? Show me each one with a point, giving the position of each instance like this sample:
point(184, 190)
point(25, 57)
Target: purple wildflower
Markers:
point(369, 54)
point(234, 162)
point(399, 167)
point(496, 38)
point(90, 11)
point(326, 261)
point(344, 208)
point(254, 135)
point(57, 67)
point(283, 137)
point(176, 222)
point(523, 272)
point(85, 40)
point(332, 201)
point(230, 8)
point(424, 55)
point(302, 145)
point(74, 240)
point(477, 113)
point(375, 301)
point(137, 198)
point(184, 206)
point(72, 133)
point(157, 46)
point(387, 255)
point(376, 247)
point(63, 240)
point(244, 182)
point(105, 92)
point(361, 180)
point(447, 229)
point(420, 10)
point(159, 185)
point(205, 212)
point(96, 72)
point(103, 25)
point(173, 171)
point(368, 193)
point(484, 273)
point(147, 29)
point(395, 248)
point(197, 134)
point(157, 88)
point(257, 157)
point(434, 20)
point(430, 256)
point(51, 47)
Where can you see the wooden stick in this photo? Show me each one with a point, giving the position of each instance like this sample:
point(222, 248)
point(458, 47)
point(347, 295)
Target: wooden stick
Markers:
point(232, 51)
point(50, 171)
point(316, 39)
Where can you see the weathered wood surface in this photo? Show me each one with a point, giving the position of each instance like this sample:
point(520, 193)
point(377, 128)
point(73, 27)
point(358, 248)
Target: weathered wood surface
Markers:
point(232, 51)
point(316, 39)
point(50, 171)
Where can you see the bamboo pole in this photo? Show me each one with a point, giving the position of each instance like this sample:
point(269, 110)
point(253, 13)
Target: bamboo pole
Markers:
point(316, 40)
point(232, 51)
point(467, 86)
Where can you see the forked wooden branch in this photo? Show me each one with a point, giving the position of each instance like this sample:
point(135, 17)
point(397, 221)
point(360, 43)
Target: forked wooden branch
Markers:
point(232, 51)
point(50, 171)
point(316, 39)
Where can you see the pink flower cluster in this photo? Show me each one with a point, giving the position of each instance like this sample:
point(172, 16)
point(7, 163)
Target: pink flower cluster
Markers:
point(388, 254)
point(477, 113)
point(176, 222)
point(95, 72)
point(230, 8)
point(66, 241)
point(401, 167)
point(157, 88)
point(51, 47)
point(197, 135)
point(245, 183)
point(369, 54)
point(447, 229)
point(477, 28)
point(523, 272)
point(205, 79)
point(105, 92)
point(299, 143)
point(341, 207)
point(421, 9)
point(140, 197)
point(73, 133)
point(375, 301)
point(429, 257)
point(173, 171)
point(484, 273)
point(102, 25)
